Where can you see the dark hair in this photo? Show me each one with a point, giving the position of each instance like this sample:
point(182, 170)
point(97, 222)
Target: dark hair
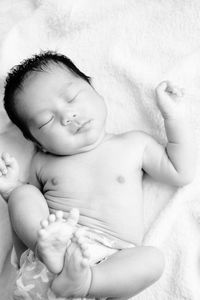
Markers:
point(19, 73)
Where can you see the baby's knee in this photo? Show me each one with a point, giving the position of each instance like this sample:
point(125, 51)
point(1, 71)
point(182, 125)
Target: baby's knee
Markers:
point(19, 195)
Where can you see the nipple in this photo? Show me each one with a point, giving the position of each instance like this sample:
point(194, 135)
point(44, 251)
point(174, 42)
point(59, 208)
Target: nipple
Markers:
point(54, 181)
point(121, 179)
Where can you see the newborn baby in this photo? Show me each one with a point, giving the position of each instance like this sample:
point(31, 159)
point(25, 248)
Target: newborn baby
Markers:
point(85, 184)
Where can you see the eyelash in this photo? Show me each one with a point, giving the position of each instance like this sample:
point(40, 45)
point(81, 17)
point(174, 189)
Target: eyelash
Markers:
point(47, 122)
point(72, 99)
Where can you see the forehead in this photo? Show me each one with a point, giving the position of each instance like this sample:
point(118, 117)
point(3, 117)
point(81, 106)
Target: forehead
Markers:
point(39, 87)
point(53, 76)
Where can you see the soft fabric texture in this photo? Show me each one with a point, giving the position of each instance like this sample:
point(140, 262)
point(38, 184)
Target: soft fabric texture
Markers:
point(127, 47)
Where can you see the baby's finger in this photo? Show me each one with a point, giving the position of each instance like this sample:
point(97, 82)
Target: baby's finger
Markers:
point(174, 90)
point(162, 87)
point(171, 88)
point(9, 160)
point(6, 157)
point(3, 168)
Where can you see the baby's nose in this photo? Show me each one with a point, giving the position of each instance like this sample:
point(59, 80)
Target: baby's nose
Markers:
point(69, 117)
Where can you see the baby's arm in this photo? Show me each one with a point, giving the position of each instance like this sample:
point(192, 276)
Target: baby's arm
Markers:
point(174, 164)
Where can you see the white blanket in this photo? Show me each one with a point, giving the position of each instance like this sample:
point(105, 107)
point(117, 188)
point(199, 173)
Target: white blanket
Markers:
point(127, 47)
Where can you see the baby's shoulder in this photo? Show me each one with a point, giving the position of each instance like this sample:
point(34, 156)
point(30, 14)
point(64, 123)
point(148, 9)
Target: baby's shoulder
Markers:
point(136, 136)
point(38, 160)
point(133, 144)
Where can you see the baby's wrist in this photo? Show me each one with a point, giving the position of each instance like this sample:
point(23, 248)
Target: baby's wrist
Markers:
point(178, 114)
point(174, 118)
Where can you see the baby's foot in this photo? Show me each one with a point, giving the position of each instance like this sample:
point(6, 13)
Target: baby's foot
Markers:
point(54, 237)
point(75, 278)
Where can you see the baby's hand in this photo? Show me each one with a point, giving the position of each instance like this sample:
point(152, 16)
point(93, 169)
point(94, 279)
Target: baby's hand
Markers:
point(169, 100)
point(9, 174)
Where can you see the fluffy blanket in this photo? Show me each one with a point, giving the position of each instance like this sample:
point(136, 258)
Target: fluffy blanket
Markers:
point(127, 47)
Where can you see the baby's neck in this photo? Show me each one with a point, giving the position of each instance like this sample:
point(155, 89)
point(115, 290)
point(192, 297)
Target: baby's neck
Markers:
point(102, 139)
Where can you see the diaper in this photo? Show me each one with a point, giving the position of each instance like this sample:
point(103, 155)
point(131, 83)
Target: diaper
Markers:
point(34, 279)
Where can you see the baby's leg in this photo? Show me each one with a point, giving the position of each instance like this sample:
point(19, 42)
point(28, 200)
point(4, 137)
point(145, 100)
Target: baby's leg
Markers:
point(54, 237)
point(127, 272)
point(27, 208)
point(122, 275)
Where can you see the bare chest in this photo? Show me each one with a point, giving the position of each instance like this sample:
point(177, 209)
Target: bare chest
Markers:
point(105, 185)
point(103, 175)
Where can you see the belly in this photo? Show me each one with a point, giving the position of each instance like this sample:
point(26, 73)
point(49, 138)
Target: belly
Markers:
point(120, 216)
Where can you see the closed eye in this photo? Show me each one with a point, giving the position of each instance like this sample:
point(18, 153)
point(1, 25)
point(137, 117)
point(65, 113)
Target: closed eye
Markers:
point(51, 119)
point(72, 99)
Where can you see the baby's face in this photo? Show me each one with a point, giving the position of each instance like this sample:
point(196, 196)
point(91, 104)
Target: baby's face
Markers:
point(63, 112)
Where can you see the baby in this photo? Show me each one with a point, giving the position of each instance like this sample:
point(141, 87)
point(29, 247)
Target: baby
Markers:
point(80, 168)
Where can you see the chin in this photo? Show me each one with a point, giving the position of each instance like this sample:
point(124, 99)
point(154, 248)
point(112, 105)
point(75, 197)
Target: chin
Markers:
point(92, 137)
point(90, 141)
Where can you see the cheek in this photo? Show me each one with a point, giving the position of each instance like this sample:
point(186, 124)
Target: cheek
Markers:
point(103, 107)
point(58, 139)
point(102, 113)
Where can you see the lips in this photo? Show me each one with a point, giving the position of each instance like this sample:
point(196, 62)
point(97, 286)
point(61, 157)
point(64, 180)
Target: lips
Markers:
point(84, 126)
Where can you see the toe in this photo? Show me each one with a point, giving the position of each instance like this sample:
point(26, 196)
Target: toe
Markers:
point(52, 218)
point(83, 246)
point(86, 253)
point(44, 223)
point(42, 232)
point(59, 215)
point(84, 262)
point(162, 86)
point(80, 232)
point(74, 239)
point(80, 239)
point(73, 216)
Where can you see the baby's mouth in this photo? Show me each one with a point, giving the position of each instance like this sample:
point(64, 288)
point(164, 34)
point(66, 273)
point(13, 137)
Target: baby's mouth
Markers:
point(84, 126)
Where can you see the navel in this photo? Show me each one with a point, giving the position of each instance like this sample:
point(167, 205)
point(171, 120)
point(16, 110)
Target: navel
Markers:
point(121, 179)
